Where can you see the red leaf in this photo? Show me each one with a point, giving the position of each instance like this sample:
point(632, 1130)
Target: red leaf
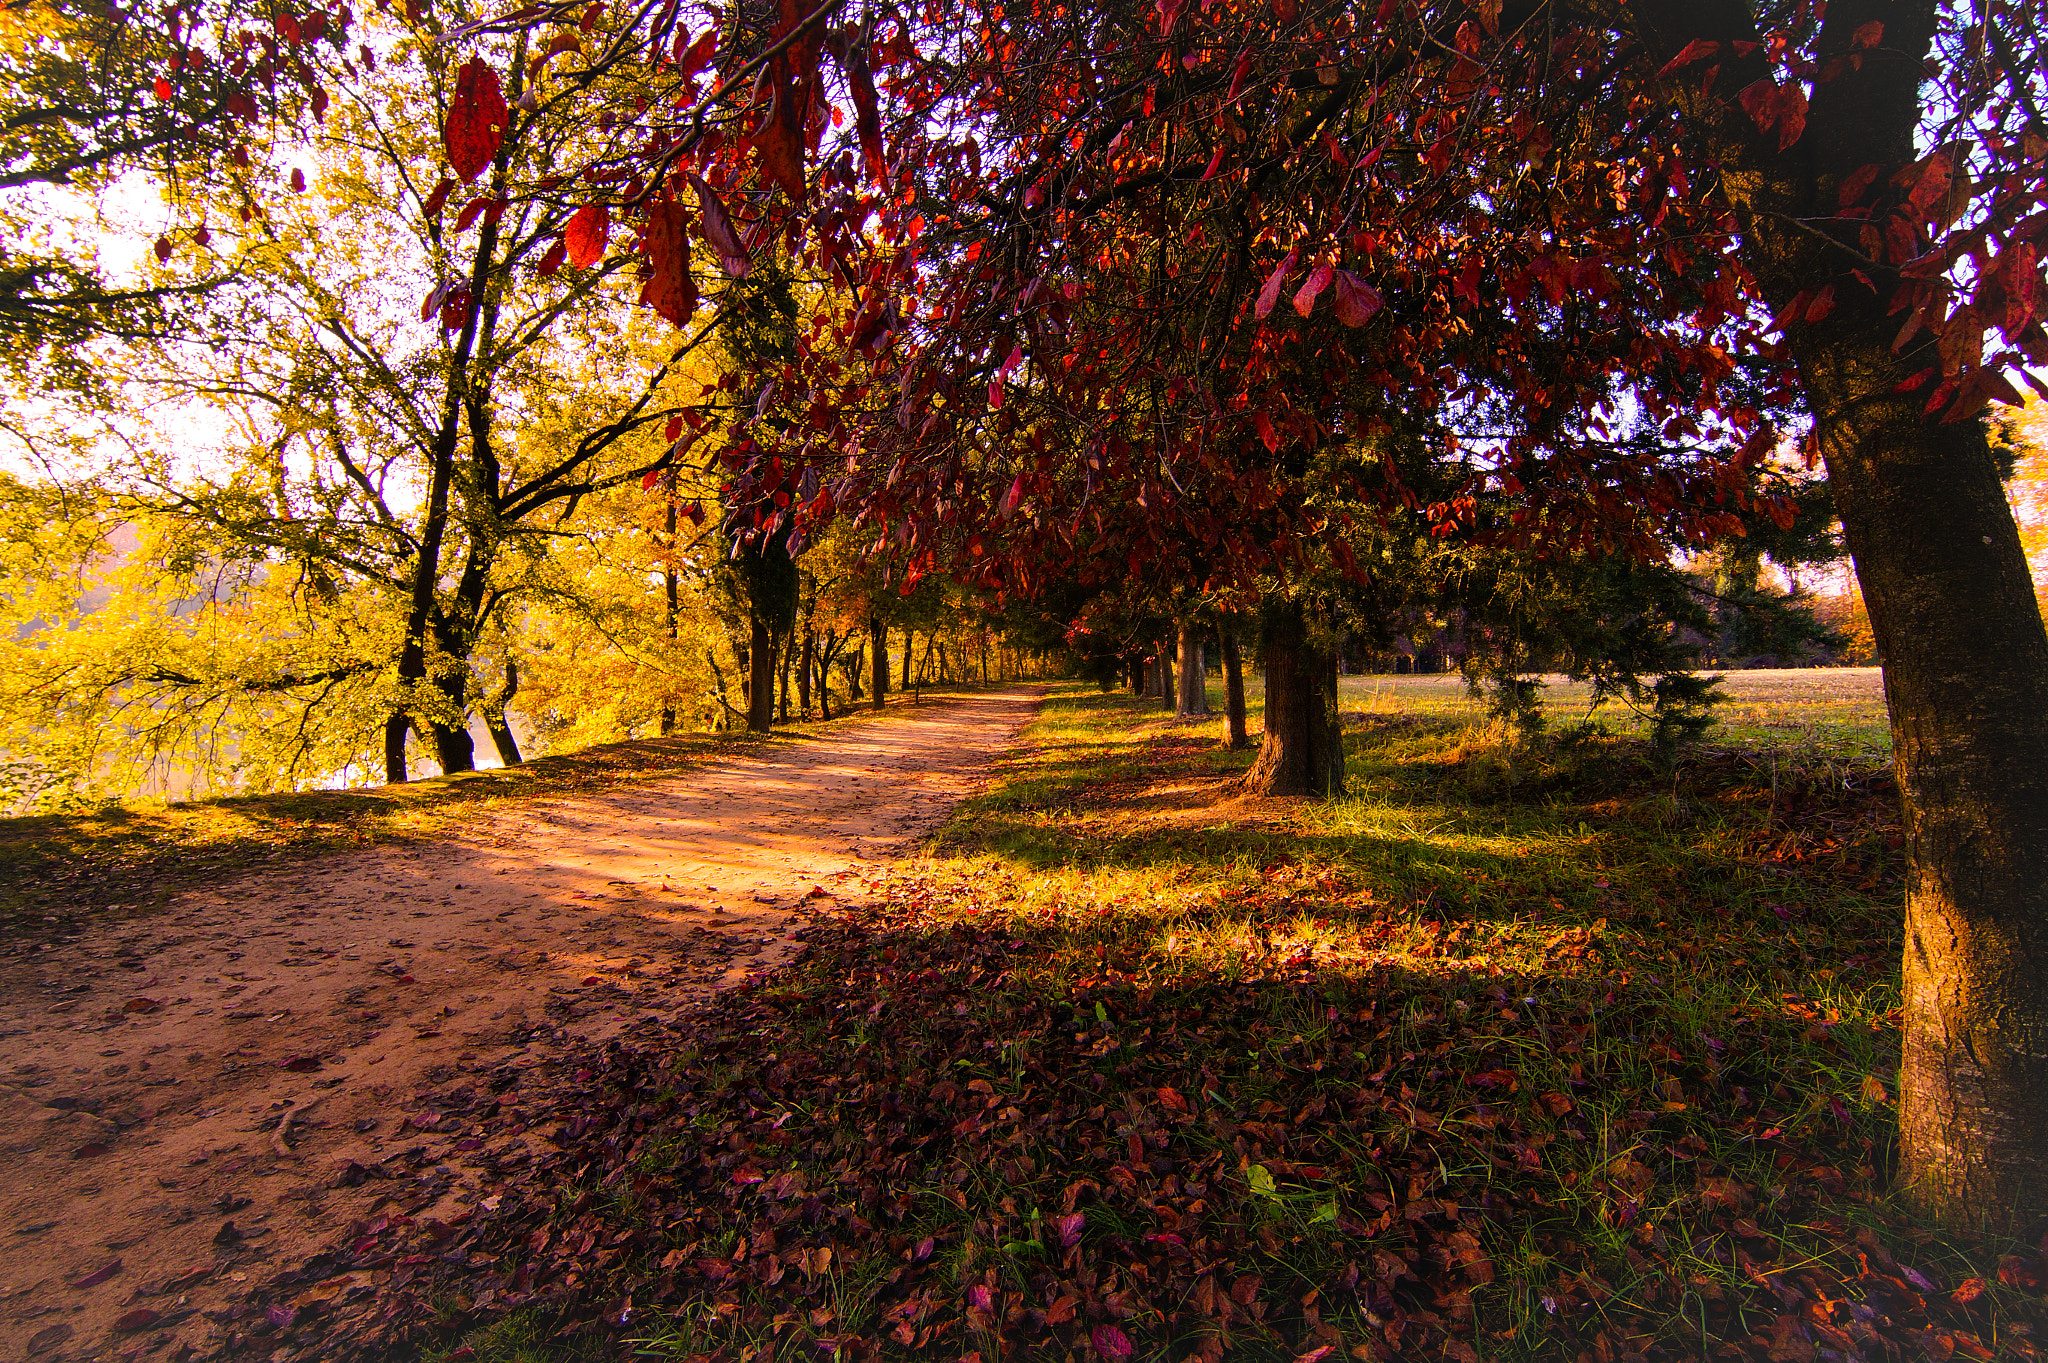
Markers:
point(300, 1064)
point(584, 238)
point(552, 261)
point(298, 181)
point(476, 119)
point(1267, 433)
point(1318, 280)
point(438, 198)
point(669, 289)
point(867, 118)
point(1270, 295)
point(164, 90)
point(718, 233)
point(1696, 50)
point(1823, 303)
point(701, 52)
point(1868, 35)
point(780, 144)
point(1357, 301)
point(141, 1318)
point(1853, 187)
point(1791, 115)
point(163, 248)
point(471, 211)
point(141, 1005)
point(673, 429)
point(1286, 10)
point(1169, 14)
point(200, 235)
point(1237, 75)
point(695, 511)
point(1110, 1342)
point(1215, 163)
point(98, 1275)
point(1012, 497)
point(90, 1150)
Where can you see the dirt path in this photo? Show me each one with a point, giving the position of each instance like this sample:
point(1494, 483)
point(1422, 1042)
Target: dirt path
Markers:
point(202, 1098)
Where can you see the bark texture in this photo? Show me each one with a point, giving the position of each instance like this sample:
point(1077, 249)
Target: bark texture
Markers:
point(1951, 604)
point(761, 676)
point(1233, 692)
point(1190, 692)
point(879, 640)
point(1303, 750)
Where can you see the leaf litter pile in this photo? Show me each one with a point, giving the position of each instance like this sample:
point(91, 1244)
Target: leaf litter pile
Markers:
point(964, 1127)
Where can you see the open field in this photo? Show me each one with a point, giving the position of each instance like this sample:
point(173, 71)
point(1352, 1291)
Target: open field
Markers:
point(1835, 709)
point(1522, 1054)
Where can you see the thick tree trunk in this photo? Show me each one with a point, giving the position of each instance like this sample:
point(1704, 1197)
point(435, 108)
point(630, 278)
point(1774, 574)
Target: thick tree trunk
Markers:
point(1303, 751)
point(1953, 612)
point(761, 682)
point(1191, 691)
point(879, 643)
point(1951, 605)
point(1233, 692)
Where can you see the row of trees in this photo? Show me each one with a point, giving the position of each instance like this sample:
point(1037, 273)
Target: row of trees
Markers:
point(1289, 308)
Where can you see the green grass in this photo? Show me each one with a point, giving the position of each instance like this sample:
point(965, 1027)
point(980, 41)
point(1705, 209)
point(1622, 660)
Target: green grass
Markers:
point(1514, 1053)
point(1837, 710)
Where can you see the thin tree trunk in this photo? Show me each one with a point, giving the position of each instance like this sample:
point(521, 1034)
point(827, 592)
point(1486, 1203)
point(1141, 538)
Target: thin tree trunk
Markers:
point(879, 641)
point(669, 591)
point(1190, 692)
point(909, 652)
point(494, 717)
point(803, 672)
point(1233, 692)
point(1303, 750)
point(761, 683)
point(784, 648)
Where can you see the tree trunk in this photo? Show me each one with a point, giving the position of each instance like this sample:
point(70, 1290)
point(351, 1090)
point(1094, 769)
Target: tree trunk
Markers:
point(803, 672)
point(1191, 691)
point(395, 770)
point(909, 650)
point(1303, 751)
point(761, 683)
point(784, 648)
point(670, 592)
point(500, 728)
point(1951, 604)
point(854, 671)
point(1953, 612)
point(1233, 692)
point(879, 639)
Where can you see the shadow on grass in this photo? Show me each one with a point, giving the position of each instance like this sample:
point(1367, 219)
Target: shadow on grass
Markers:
point(1394, 1077)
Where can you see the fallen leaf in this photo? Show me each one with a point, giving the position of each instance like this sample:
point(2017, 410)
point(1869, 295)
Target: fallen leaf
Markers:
point(98, 1275)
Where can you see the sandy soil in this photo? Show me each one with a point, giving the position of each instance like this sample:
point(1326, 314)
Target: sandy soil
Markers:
point(198, 1100)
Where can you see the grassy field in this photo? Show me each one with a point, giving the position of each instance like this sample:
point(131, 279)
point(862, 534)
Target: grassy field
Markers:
point(1838, 710)
point(1534, 1052)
